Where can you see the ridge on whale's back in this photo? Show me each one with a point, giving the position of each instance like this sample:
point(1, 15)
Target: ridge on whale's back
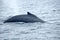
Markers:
point(24, 18)
point(31, 15)
point(28, 13)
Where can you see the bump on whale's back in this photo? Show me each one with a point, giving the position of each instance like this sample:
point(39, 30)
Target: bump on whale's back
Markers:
point(31, 15)
point(25, 18)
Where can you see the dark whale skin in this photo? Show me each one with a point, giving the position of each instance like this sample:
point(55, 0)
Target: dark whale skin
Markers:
point(29, 18)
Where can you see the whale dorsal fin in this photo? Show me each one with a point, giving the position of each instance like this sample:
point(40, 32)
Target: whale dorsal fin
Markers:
point(28, 13)
point(32, 15)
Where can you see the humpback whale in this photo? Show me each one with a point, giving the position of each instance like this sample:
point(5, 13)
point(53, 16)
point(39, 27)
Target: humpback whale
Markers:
point(28, 18)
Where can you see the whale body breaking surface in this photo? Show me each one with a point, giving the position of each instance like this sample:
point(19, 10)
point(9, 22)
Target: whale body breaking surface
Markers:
point(29, 18)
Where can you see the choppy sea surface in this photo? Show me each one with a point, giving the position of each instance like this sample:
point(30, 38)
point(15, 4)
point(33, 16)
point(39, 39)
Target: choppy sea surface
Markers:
point(48, 11)
point(30, 31)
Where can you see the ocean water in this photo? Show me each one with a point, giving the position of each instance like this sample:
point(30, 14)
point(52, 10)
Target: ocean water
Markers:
point(30, 31)
point(48, 11)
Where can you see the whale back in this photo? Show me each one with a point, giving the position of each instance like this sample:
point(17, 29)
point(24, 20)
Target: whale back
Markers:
point(24, 18)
